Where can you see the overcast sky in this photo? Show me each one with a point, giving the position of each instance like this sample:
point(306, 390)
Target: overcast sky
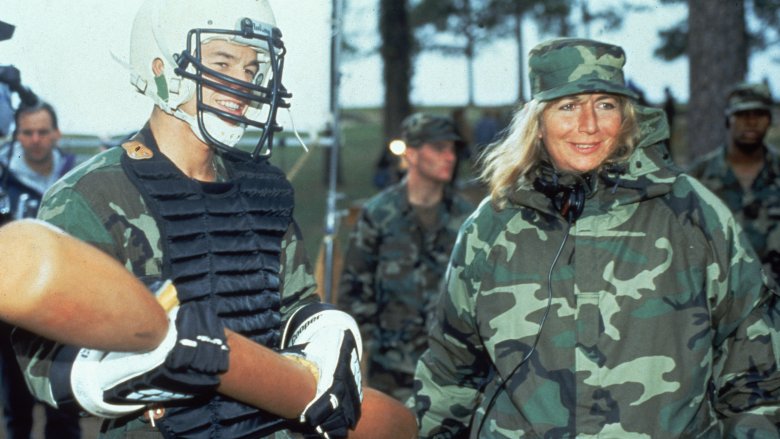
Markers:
point(64, 51)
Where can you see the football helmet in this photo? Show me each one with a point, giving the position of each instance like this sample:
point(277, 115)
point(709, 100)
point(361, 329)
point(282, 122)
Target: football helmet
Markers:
point(175, 31)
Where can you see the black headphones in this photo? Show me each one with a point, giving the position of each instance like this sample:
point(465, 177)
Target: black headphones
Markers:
point(567, 193)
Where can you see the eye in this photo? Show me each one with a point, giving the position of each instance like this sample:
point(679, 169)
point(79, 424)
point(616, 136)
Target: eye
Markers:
point(608, 105)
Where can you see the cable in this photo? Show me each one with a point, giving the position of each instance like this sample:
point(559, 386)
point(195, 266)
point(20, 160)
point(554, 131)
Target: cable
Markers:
point(503, 384)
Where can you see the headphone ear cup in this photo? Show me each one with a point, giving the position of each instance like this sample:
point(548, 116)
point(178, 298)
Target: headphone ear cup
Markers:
point(570, 201)
point(576, 203)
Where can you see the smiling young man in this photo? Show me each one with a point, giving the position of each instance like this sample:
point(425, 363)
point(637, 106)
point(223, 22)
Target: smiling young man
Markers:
point(745, 172)
point(181, 201)
point(398, 252)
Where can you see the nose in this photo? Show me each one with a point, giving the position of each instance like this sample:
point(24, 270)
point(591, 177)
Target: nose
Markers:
point(449, 154)
point(35, 137)
point(588, 122)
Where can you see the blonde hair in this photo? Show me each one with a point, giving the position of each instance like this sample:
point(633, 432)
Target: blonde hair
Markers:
point(510, 160)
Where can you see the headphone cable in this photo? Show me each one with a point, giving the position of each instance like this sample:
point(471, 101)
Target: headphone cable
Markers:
point(503, 384)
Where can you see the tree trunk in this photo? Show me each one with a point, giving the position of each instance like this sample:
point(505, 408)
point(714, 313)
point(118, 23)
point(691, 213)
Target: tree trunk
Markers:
point(717, 51)
point(396, 53)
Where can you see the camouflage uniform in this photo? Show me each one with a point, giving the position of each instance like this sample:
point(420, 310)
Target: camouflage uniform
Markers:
point(97, 203)
point(392, 272)
point(659, 324)
point(758, 208)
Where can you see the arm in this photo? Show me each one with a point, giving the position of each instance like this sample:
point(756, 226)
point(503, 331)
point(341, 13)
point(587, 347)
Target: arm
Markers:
point(746, 317)
point(258, 376)
point(288, 390)
point(450, 373)
point(45, 292)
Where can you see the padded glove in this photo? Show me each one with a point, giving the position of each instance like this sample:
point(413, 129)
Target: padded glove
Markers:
point(186, 364)
point(329, 340)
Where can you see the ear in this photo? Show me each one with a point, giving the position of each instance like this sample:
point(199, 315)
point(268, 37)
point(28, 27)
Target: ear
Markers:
point(158, 66)
point(411, 155)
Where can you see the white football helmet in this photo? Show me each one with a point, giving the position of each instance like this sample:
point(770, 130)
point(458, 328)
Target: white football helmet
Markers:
point(174, 32)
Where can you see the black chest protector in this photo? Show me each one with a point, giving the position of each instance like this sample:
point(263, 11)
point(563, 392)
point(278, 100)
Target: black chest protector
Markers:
point(221, 241)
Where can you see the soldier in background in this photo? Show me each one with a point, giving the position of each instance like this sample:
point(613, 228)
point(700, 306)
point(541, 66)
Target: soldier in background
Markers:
point(745, 172)
point(398, 252)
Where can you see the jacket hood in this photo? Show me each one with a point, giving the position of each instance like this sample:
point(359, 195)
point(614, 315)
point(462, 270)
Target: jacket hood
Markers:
point(647, 173)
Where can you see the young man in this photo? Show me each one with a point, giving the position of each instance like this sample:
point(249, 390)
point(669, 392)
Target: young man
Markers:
point(398, 252)
point(180, 201)
point(745, 172)
point(28, 167)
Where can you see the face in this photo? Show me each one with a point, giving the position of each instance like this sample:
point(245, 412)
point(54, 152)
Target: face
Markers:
point(434, 161)
point(748, 129)
point(581, 132)
point(37, 135)
point(234, 60)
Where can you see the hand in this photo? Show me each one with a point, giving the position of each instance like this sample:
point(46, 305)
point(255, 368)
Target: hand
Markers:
point(337, 402)
point(330, 341)
point(192, 366)
point(187, 363)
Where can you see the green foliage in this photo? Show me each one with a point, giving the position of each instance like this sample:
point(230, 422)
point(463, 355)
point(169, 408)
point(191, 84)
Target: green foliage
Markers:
point(674, 41)
point(766, 35)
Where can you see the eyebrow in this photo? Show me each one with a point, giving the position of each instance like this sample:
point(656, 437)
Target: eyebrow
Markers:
point(231, 57)
point(581, 98)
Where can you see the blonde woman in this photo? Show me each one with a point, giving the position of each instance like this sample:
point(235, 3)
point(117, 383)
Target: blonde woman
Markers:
point(598, 291)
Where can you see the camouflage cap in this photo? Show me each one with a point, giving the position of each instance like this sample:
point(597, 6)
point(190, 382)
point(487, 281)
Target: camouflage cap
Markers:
point(568, 66)
point(749, 96)
point(420, 128)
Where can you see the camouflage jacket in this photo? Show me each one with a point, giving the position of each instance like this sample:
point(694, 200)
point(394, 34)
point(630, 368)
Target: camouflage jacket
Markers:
point(659, 323)
point(757, 209)
point(97, 203)
point(393, 269)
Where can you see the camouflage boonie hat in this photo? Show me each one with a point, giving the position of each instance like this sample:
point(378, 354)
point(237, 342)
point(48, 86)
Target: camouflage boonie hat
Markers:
point(420, 128)
point(749, 96)
point(568, 66)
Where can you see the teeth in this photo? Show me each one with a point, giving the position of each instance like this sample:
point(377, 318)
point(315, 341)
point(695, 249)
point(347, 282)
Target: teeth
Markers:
point(583, 146)
point(230, 105)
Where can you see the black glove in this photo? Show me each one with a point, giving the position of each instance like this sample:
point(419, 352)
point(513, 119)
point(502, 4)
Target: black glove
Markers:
point(329, 340)
point(187, 363)
point(192, 367)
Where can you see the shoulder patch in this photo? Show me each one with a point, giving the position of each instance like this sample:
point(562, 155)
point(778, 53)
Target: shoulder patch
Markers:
point(137, 150)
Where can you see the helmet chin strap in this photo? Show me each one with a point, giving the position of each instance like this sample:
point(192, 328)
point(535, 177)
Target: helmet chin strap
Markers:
point(217, 128)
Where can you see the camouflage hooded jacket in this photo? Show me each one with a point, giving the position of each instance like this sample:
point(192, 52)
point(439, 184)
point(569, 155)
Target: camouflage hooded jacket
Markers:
point(659, 323)
point(757, 209)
